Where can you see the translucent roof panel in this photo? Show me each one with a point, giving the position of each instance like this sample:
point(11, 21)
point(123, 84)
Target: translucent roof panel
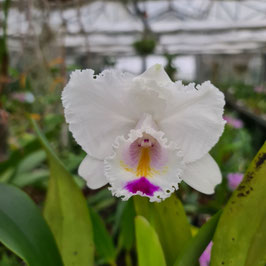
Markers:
point(181, 26)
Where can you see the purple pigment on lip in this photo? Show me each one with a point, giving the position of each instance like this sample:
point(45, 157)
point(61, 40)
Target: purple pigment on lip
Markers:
point(143, 185)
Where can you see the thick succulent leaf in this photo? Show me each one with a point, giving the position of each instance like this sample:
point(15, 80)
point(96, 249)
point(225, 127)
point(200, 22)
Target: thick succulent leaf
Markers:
point(190, 254)
point(170, 222)
point(66, 212)
point(240, 236)
point(149, 250)
point(102, 239)
point(24, 231)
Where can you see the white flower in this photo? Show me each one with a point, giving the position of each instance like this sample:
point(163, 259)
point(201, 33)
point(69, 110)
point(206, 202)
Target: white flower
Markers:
point(144, 135)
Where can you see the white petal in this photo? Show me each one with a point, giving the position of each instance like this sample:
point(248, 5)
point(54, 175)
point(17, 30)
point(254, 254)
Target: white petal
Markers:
point(155, 73)
point(100, 108)
point(151, 90)
point(97, 109)
point(203, 175)
point(146, 121)
point(193, 119)
point(92, 170)
point(164, 169)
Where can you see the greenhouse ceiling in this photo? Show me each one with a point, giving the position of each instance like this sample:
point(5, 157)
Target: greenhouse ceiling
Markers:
point(110, 27)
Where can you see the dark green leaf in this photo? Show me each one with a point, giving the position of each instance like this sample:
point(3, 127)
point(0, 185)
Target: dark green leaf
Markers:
point(24, 231)
point(102, 239)
point(127, 230)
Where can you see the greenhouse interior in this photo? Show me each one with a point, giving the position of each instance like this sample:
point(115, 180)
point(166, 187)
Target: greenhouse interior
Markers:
point(133, 132)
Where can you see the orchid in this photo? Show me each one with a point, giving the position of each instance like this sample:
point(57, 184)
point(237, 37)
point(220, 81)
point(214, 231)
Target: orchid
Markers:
point(233, 122)
point(144, 134)
point(234, 179)
point(260, 89)
point(205, 257)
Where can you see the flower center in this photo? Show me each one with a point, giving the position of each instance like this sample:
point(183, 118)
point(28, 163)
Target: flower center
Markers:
point(144, 168)
point(146, 141)
point(145, 144)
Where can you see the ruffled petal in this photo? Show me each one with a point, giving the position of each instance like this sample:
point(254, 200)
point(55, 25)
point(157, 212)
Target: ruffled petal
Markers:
point(155, 73)
point(92, 170)
point(144, 164)
point(193, 118)
point(98, 109)
point(203, 175)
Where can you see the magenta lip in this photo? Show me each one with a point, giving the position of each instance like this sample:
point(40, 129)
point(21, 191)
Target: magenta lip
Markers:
point(143, 185)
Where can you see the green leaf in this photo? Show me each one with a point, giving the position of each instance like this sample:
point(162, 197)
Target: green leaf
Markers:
point(8, 259)
point(170, 222)
point(19, 154)
point(33, 177)
point(31, 161)
point(127, 230)
point(26, 172)
point(190, 254)
point(240, 236)
point(149, 250)
point(66, 212)
point(101, 200)
point(24, 231)
point(102, 239)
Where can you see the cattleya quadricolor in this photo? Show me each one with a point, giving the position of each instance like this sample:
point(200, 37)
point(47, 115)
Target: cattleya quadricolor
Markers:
point(144, 134)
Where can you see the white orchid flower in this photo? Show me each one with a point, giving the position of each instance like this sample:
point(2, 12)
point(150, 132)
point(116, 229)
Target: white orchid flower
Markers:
point(145, 134)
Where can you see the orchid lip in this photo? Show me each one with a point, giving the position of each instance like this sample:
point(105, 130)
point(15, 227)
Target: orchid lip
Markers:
point(145, 163)
point(142, 185)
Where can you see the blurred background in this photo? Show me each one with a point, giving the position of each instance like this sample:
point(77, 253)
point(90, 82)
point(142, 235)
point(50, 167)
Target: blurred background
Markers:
point(42, 41)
